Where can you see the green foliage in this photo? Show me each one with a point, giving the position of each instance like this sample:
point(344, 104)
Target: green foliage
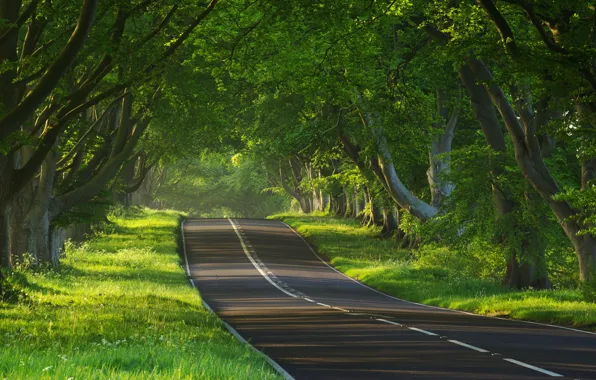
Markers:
point(92, 212)
point(585, 200)
point(218, 185)
point(588, 288)
point(120, 306)
point(437, 277)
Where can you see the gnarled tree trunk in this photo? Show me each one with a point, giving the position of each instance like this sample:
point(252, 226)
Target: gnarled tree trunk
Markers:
point(439, 158)
point(521, 272)
point(398, 191)
point(531, 162)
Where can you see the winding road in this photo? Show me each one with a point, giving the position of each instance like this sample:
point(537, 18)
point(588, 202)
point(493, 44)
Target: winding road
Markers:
point(267, 283)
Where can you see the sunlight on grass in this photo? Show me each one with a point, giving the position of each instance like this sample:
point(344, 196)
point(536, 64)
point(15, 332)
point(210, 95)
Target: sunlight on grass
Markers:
point(358, 252)
point(119, 307)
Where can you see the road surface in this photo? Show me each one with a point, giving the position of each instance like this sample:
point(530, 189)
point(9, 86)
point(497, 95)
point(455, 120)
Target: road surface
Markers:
point(264, 280)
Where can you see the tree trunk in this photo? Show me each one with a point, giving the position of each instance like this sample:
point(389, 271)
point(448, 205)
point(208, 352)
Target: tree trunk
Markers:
point(340, 204)
point(530, 160)
point(398, 191)
point(348, 203)
point(399, 234)
point(439, 158)
point(390, 223)
point(358, 204)
point(56, 244)
point(304, 205)
point(518, 275)
point(127, 175)
point(376, 213)
point(9, 13)
point(5, 261)
point(18, 234)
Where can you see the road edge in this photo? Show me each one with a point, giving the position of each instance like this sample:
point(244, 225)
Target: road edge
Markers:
point(228, 327)
point(421, 304)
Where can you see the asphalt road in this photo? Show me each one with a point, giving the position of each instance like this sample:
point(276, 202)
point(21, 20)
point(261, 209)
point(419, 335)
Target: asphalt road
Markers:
point(266, 282)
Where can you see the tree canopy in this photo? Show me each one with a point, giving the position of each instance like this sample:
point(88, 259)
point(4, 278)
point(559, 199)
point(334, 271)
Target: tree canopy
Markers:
point(460, 123)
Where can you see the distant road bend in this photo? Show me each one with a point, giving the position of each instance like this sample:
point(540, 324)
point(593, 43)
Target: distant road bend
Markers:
point(264, 280)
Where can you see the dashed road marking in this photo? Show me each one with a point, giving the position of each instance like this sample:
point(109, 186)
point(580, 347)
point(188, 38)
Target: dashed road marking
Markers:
point(258, 263)
point(468, 346)
point(228, 327)
point(423, 331)
point(390, 322)
point(538, 369)
point(340, 309)
point(255, 264)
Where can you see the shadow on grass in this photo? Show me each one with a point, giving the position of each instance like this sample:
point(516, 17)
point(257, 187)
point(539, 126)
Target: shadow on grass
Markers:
point(119, 305)
point(358, 252)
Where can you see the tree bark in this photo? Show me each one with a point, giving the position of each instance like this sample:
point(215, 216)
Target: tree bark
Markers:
point(439, 158)
point(95, 185)
point(520, 272)
point(390, 223)
point(19, 114)
point(376, 212)
point(398, 191)
point(5, 261)
point(530, 160)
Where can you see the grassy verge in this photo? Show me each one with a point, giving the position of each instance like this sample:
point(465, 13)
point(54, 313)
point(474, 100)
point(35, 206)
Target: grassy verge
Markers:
point(119, 307)
point(358, 252)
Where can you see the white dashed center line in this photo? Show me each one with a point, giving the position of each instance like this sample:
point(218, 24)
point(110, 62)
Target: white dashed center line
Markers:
point(468, 346)
point(340, 309)
point(272, 279)
point(538, 369)
point(390, 322)
point(423, 331)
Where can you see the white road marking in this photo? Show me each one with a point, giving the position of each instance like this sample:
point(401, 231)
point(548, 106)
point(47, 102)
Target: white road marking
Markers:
point(468, 346)
point(390, 322)
point(288, 376)
point(541, 370)
point(423, 331)
point(184, 249)
point(421, 304)
point(232, 330)
point(340, 309)
point(254, 263)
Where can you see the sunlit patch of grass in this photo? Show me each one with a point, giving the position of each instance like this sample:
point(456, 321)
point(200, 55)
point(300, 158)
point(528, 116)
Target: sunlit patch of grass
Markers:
point(119, 307)
point(358, 252)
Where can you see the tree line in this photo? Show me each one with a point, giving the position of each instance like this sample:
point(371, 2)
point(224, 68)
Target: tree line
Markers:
point(452, 122)
point(464, 119)
point(80, 83)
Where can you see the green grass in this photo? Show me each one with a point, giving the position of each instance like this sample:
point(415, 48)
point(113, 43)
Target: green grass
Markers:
point(120, 307)
point(359, 253)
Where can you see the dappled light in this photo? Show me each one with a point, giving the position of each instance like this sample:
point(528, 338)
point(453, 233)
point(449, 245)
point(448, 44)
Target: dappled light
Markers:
point(327, 323)
point(118, 306)
point(436, 153)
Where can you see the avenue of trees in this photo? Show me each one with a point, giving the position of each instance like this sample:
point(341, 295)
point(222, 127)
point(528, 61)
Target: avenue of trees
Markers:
point(468, 124)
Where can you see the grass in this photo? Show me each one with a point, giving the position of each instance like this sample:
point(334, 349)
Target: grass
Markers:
point(120, 307)
point(358, 252)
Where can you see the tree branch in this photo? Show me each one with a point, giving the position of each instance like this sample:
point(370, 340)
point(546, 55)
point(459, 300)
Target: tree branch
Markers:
point(17, 116)
point(25, 15)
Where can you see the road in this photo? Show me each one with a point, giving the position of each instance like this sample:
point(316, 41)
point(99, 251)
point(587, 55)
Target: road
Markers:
point(264, 280)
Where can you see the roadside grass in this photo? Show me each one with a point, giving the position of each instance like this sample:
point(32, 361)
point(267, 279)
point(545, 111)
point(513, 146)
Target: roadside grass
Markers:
point(358, 252)
point(119, 307)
